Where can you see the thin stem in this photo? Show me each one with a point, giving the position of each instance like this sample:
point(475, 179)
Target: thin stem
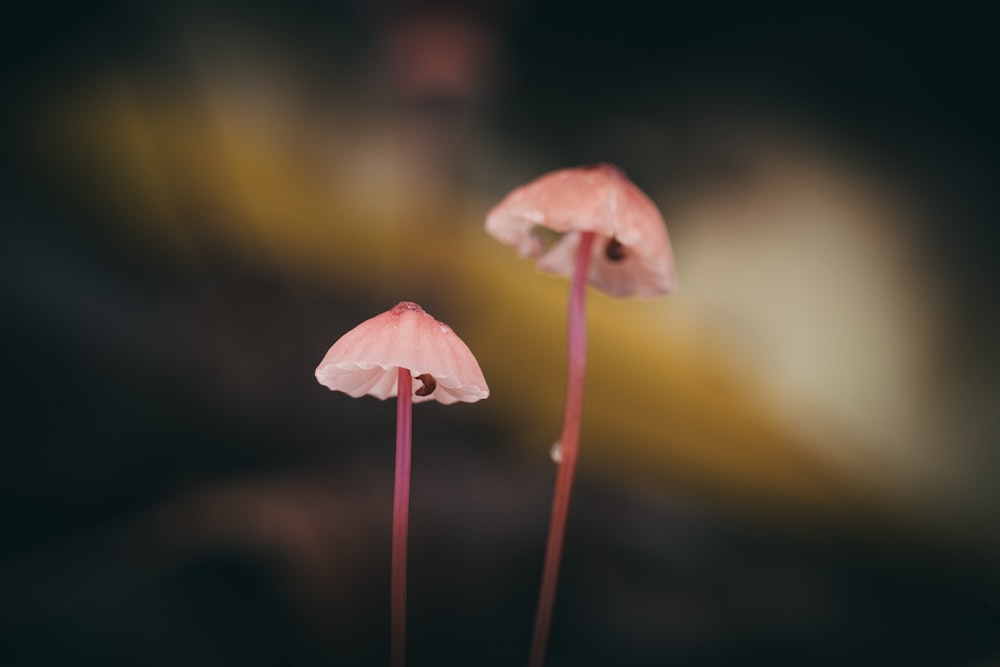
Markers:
point(570, 440)
point(401, 515)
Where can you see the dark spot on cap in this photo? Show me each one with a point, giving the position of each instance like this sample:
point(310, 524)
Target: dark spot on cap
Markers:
point(407, 305)
point(429, 385)
point(615, 251)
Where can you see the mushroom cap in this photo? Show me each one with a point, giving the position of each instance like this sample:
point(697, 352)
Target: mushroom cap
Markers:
point(365, 359)
point(594, 198)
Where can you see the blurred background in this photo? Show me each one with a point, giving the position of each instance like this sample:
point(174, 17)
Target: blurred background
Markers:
point(793, 460)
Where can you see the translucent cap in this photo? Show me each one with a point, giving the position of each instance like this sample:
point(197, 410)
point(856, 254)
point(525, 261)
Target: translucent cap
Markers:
point(632, 254)
point(365, 360)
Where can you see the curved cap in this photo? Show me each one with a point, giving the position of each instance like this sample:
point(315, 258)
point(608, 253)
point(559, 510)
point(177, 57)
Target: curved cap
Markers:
point(366, 358)
point(632, 255)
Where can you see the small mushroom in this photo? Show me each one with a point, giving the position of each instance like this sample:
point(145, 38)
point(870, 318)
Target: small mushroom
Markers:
point(631, 254)
point(366, 358)
point(611, 236)
point(381, 357)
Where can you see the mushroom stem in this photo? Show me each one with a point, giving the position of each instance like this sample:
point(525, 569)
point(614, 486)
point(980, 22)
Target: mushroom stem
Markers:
point(570, 440)
point(400, 515)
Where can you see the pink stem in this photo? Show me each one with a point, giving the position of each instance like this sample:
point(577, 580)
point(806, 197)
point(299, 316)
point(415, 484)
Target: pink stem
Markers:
point(401, 514)
point(570, 440)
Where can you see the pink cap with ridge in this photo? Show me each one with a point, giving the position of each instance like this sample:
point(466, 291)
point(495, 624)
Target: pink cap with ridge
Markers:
point(632, 254)
point(365, 359)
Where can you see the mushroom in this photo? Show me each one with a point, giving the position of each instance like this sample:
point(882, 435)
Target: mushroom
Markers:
point(381, 357)
point(594, 225)
point(548, 218)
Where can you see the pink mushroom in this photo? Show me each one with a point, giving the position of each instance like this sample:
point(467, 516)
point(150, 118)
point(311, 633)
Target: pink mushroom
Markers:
point(381, 357)
point(631, 253)
point(590, 223)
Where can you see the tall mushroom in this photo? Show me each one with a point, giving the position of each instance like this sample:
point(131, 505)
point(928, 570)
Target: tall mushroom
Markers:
point(590, 223)
point(381, 357)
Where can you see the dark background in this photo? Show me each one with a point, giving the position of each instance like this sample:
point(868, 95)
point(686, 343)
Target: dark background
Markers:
point(176, 490)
